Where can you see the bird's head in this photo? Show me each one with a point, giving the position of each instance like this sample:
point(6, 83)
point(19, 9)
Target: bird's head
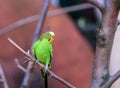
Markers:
point(49, 36)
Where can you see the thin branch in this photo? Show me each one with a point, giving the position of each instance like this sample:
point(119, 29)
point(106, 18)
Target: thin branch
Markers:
point(41, 19)
point(112, 79)
point(32, 58)
point(54, 76)
point(79, 7)
point(3, 78)
point(26, 81)
point(27, 78)
point(18, 23)
point(30, 19)
point(19, 66)
point(98, 3)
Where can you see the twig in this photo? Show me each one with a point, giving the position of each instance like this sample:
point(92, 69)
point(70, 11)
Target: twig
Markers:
point(41, 19)
point(18, 23)
point(32, 58)
point(26, 81)
point(30, 19)
point(27, 78)
point(3, 78)
point(54, 76)
point(100, 4)
point(79, 7)
point(112, 79)
point(19, 66)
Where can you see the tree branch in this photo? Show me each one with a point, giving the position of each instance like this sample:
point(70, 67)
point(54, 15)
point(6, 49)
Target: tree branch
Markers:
point(30, 19)
point(100, 4)
point(19, 66)
point(112, 79)
point(105, 36)
point(18, 23)
point(41, 20)
point(53, 75)
point(3, 78)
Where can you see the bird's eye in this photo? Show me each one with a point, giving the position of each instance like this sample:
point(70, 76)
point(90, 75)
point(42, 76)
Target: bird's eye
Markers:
point(49, 39)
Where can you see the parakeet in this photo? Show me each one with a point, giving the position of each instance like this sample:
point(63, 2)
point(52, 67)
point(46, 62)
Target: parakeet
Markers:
point(42, 50)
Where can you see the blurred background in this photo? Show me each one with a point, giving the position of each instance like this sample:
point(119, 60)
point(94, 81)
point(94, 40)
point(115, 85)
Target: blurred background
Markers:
point(74, 43)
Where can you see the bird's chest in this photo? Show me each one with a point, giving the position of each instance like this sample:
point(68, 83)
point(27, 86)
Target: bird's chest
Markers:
point(43, 52)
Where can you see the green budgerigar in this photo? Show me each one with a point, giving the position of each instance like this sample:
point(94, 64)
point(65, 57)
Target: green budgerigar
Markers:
point(42, 50)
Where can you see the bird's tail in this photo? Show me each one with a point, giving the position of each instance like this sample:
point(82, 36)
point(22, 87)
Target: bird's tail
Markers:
point(45, 74)
point(44, 71)
point(46, 81)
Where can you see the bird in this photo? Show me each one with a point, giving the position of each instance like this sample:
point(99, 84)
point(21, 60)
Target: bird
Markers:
point(43, 51)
